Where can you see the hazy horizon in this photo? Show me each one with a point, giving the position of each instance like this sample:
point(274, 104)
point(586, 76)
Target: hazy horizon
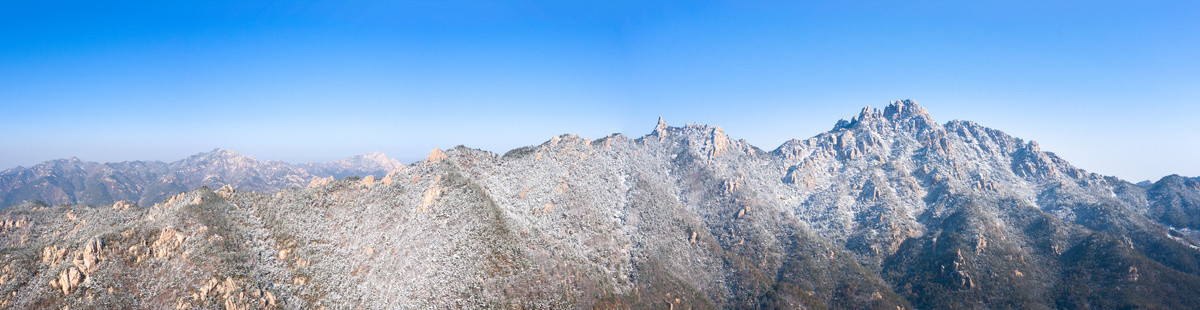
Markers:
point(1108, 86)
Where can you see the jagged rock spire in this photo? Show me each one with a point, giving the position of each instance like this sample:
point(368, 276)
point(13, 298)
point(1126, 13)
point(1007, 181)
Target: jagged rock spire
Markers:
point(904, 109)
point(897, 112)
point(661, 129)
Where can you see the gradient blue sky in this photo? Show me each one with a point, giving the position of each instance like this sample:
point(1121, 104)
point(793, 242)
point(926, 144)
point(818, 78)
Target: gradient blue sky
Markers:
point(1112, 86)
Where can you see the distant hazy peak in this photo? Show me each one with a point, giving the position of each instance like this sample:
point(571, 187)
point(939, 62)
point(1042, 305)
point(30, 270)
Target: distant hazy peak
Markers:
point(220, 152)
point(374, 163)
point(71, 180)
point(217, 154)
point(372, 158)
point(378, 157)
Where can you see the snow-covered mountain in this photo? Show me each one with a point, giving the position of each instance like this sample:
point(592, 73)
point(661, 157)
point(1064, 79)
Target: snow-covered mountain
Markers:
point(887, 210)
point(376, 164)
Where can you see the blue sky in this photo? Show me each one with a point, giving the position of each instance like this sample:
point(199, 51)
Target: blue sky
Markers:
point(1112, 86)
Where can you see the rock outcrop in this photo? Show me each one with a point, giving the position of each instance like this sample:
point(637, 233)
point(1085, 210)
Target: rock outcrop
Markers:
point(436, 156)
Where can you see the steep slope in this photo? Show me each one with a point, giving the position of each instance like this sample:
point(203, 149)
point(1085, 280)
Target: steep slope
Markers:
point(71, 181)
point(887, 210)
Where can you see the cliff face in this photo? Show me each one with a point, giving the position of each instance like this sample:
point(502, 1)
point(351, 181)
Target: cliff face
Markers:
point(888, 209)
point(72, 181)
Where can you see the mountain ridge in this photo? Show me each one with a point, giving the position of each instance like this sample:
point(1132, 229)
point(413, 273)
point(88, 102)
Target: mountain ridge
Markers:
point(72, 180)
point(888, 209)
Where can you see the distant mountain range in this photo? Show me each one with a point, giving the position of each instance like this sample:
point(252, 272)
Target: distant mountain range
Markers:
point(887, 210)
point(72, 181)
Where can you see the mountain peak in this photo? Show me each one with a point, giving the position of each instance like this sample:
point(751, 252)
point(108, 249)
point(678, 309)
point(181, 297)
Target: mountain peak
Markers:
point(661, 127)
point(218, 155)
point(376, 156)
point(890, 211)
point(436, 156)
point(906, 108)
point(372, 159)
point(375, 164)
point(219, 152)
point(903, 113)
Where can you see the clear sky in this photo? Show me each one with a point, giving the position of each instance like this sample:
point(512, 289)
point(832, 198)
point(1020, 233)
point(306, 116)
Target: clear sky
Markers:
point(1112, 86)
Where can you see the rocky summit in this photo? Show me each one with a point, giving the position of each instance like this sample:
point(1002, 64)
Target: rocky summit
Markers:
point(888, 210)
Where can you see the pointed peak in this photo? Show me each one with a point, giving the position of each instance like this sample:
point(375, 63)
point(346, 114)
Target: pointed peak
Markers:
point(867, 111)
point(661, 127)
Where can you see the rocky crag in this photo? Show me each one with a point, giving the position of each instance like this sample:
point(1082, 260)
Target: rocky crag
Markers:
point(887, 210)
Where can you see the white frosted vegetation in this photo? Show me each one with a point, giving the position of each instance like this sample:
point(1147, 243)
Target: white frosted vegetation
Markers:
point(887, 209)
